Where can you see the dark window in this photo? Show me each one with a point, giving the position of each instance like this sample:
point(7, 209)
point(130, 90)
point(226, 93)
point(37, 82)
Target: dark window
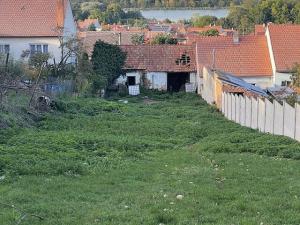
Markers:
point(184, 60)
point(45, 48)
point(4, 49)
point(131, 81)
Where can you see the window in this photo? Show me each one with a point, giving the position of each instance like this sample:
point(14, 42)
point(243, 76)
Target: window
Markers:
point(4, 49)
point(38, 48)
point(286, 83)
point(184, 60)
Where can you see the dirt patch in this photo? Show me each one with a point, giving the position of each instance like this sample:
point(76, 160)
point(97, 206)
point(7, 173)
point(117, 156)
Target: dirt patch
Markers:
point(150, 101)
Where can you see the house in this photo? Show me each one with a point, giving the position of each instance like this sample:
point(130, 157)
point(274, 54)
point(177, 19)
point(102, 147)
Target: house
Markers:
point(161, 67)
point(87, 23)
point(246, 57)
point(217, 82)
point(284, 49)
point(89, 38)
point(29, 26)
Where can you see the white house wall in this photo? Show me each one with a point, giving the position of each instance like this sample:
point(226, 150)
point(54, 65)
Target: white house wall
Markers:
point(158, 80)
point(262, 82)
point(18, 45)
point(123, 79)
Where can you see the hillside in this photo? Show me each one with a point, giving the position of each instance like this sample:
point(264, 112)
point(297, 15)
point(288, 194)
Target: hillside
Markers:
point(116, 162)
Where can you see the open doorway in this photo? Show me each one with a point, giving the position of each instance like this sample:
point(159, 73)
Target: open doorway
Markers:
point(177, 81)
point(131, 80)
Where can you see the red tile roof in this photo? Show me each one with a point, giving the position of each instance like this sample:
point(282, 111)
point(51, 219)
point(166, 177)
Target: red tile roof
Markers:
point(285, 41)
point(160, 58)
point(89, 38)
point(28, 18)
point(248, 58)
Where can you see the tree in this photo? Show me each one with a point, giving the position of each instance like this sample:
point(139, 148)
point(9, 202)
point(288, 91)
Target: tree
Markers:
point(162, 39)
point(210, 33)
point(202, 21)
point(107, 61)
point(138, 39)
point(296, 76)
point(92, 27)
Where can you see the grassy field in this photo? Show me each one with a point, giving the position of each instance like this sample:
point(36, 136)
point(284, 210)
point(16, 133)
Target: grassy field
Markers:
point(107, 162)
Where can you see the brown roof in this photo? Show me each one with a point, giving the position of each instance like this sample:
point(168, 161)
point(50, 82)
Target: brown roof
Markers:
point(89, 38)
point(27, 18)
point(285, 41)
point(250, 57)
point(160, 58)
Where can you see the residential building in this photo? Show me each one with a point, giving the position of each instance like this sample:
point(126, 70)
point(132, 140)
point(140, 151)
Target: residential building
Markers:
point(161, 67)
point(30, 26)
point(284, 49)
point(246, 57)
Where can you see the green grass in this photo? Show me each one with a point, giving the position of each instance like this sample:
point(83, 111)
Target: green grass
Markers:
point(106, 162)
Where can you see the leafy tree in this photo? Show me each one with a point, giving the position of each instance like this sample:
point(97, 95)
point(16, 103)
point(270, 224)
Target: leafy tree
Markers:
point(107, 61)
point(211, 32)
point(296, 76)
point(92, 27)
point(202, 21)
point(138, 39)
point(164, 39)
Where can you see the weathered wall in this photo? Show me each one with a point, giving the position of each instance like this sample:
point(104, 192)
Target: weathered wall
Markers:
point(157, 80)
point(263, 115)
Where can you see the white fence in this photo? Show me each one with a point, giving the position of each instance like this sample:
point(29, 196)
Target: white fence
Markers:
point(263, 115)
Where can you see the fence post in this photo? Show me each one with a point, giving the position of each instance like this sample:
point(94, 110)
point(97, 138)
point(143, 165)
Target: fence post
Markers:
point(269, 124)
point(261, 115)
point(254, 116)
point(243, 110)
point(297, 123)
point(248, 112)
point(237, 108)
point(232, 107)
point(229, 106)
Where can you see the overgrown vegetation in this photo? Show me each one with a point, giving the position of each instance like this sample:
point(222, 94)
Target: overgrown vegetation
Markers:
point(94, 161)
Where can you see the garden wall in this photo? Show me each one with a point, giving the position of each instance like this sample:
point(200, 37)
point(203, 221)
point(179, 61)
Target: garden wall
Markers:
point(263, 115)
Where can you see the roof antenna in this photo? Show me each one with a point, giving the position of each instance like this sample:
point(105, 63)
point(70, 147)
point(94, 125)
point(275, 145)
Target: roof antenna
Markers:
point(214, 60)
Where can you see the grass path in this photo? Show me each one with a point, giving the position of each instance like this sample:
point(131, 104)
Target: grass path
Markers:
point(111, 163)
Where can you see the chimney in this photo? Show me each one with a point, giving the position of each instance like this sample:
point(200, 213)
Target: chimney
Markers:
point(60, 13)
point(236, 37)
point(120, 38)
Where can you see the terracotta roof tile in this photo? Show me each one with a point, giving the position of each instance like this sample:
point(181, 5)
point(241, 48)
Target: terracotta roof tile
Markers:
point(27, 18)
point(248, 58)
point(160, 58)
point(89, 38)
point(285, 41)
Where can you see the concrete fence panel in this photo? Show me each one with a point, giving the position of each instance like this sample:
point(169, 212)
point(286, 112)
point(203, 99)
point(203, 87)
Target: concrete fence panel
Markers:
point(248, 112)
point(254, 115)
point(269, 124)
point(242, 110)
point(232, 107)
point(297, 123)
point(223, 103)
point(261, 115)
point(278, 118)
point(289, 120)
point(237, 109)
point(229, 107)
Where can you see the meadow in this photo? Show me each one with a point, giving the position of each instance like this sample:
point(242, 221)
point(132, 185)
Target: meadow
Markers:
point(125, 161)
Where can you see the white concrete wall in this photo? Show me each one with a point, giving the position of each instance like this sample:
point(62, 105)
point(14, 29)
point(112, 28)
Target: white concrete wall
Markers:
point(278, 118)
point(208, 88)
point(269, 123)
point(158, 80)
point(280, 77)
point(254, 114)
point(263, 115)
point(242, 110)
point(289, 120)
point(248, 112)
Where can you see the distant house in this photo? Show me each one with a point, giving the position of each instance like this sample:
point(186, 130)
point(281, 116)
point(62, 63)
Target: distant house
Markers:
point(246, 57)
point(87, 23)
point(111, 37)
point(284, 49)
point(161, 67)
point(35, 26)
